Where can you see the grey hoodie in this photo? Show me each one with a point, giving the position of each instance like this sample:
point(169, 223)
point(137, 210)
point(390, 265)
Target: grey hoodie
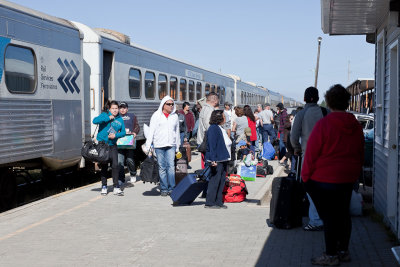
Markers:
point(163, 132)
point(204, 121)
point(303, 125)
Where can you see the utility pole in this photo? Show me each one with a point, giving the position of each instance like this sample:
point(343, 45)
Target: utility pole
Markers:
point(316, 69)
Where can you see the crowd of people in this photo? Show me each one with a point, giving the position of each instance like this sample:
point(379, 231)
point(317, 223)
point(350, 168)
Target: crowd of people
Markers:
point(328, 144)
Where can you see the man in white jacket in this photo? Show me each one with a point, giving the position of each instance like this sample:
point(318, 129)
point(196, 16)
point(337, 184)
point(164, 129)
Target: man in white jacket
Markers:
point(165, 137)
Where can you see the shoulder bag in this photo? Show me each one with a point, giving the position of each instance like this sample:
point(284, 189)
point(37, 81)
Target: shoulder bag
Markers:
point(96, 152)
point(203, 146)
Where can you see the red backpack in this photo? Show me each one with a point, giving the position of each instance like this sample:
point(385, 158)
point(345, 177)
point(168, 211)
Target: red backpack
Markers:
point(235, 189)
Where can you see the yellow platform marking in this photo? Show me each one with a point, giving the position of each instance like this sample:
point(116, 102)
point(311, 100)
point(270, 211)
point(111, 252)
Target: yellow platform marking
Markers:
point(19, 231)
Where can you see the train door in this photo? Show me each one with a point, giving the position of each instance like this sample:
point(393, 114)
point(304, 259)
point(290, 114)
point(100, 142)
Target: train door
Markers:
point(107, 92)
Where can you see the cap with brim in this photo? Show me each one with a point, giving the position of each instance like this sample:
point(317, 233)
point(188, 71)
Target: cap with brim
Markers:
point(247, 131)
point(242, 143)
point(123, 105)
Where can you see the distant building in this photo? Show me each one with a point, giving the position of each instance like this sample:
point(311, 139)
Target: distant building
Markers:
point(362, 95)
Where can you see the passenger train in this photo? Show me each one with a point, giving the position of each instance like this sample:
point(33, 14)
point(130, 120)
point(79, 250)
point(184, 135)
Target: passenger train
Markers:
point(56, 74)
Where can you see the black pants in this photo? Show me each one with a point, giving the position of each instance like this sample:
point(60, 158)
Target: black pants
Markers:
point(333, 202)
point(216, 184)
point(126, 156)
point(114, 166)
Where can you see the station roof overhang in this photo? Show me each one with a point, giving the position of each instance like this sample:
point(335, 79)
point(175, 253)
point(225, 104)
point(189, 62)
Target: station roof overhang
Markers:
point(352, 17)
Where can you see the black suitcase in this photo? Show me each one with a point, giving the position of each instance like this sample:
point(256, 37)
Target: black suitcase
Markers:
point(285, 206)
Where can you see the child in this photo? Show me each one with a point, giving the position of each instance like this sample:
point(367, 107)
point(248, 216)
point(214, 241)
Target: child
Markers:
point(243, 150)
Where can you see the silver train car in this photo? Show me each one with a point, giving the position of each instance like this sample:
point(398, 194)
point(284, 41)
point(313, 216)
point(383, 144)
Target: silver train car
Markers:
point(55, 76)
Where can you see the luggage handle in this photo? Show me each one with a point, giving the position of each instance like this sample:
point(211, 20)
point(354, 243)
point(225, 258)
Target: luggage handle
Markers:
point(203, 172)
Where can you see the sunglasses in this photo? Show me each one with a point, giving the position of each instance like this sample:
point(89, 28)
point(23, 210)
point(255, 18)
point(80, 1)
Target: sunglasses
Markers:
point(169, 104)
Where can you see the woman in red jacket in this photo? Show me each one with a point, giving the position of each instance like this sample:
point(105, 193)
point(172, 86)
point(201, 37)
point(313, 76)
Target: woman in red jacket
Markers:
point(251, 119)
point(332, 164)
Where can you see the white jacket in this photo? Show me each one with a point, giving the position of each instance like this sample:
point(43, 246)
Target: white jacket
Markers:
point(164, 131)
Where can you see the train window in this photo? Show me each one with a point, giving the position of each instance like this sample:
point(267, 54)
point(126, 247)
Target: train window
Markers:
point(232, 96)
point(213, 88)
point(162, 86)
point(218, 92)
point(207, 89)
point(222, 95)
point(173, 87)
point(198, 90)
point(191, 90)
point(20, 70)
point(182, 90)
point(134, 83)
point(149, 85)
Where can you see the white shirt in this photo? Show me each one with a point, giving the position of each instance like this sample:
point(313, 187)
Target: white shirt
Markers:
point(227, 140)
point(265, 116)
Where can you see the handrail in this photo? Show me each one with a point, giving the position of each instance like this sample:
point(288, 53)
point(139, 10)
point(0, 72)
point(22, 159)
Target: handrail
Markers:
point(102, 97)
point(94, 104)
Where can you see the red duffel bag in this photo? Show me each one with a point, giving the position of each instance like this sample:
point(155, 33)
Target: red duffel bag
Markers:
point(235, 189)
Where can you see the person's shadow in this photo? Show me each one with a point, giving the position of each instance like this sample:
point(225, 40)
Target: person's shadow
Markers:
point(153, 192)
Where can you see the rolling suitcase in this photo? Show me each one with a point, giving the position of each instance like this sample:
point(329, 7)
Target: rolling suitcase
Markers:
point(188, 151)
point(287, 201)
point(188, 189)
point(285, 207)
point(180, 170)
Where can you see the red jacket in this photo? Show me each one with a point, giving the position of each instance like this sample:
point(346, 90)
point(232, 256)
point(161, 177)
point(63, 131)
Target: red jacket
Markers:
point(335, 150)
point(252, 125)
point(189, 118)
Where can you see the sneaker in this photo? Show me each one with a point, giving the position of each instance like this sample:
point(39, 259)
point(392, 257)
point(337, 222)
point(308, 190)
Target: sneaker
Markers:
point(118, 191)
point(326, 260)
point(104, 190)
point(121, 184)
point(223, 206)
point(344, 256)
point(310, 227)
point(164, 194)
point(133, 179)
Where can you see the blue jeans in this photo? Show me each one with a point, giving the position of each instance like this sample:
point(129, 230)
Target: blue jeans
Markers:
point(315, 220)
point(282, 147)
point(196, 126)
point(182, 134)
point(268, 130)
point(259, 137)
point(166, 167)
point(293, 162)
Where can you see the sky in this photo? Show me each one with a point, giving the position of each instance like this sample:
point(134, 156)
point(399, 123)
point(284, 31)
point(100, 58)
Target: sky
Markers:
point(271, 43)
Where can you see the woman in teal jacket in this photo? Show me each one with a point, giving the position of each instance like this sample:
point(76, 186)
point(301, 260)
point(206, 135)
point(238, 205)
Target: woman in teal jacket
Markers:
point(111, 127)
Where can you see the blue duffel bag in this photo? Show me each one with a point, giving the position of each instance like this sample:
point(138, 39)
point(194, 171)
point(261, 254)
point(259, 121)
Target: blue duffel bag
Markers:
point(268, 151)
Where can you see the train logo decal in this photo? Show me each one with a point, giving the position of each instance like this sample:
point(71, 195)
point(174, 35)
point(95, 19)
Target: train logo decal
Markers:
point(68, 76)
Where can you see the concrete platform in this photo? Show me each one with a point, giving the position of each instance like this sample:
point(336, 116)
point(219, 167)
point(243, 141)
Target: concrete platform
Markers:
point(82, 228)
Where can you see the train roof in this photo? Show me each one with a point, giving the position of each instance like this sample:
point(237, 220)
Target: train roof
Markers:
point(113, 35)
point(37, 14)
point(124, 39)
